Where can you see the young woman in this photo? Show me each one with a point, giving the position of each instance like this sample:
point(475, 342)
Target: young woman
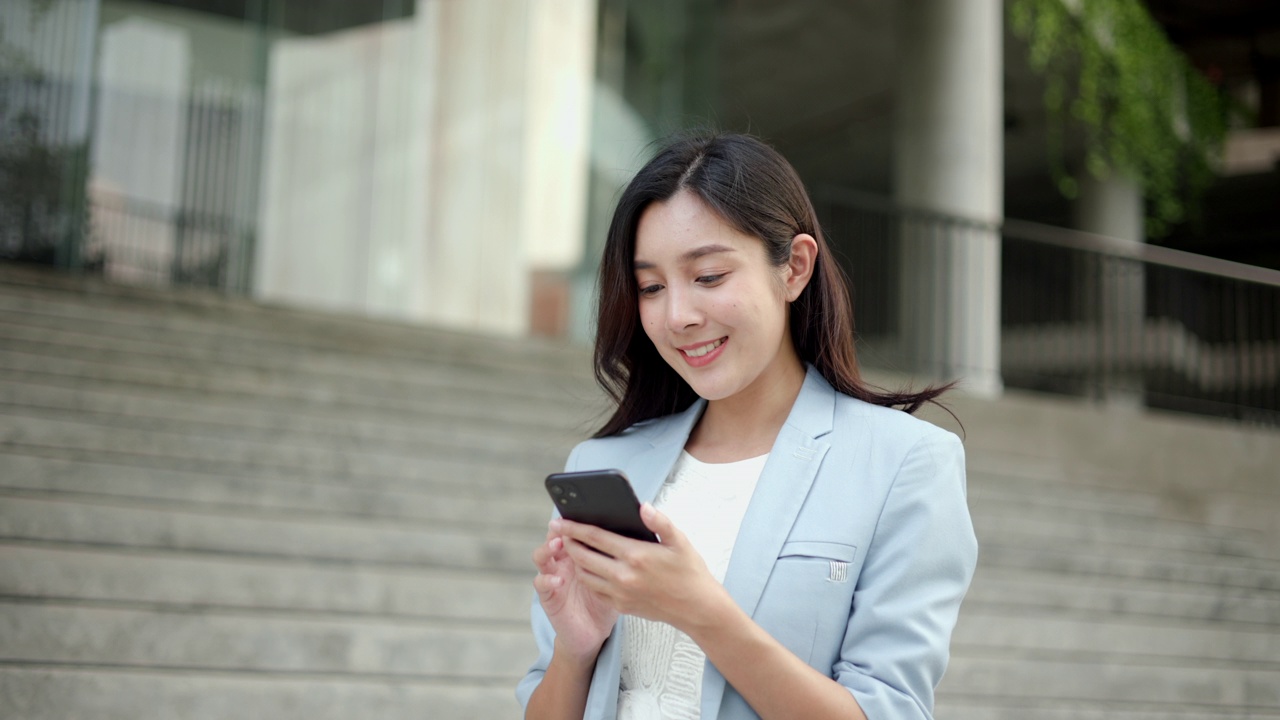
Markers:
point(815, 540)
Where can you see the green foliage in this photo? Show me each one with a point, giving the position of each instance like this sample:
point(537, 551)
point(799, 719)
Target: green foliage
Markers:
point(35, 179)
point(1143, 109)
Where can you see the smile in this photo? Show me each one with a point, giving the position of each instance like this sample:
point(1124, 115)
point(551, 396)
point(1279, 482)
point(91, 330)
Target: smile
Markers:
point(702, 350)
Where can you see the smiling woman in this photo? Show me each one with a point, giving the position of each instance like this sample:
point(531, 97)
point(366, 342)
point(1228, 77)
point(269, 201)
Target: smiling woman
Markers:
point(714, 307)
point(815, 541)
point(747, 187)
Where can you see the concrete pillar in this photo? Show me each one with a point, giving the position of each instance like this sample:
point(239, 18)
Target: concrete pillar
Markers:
point(342, 221)
point(510, 155)
point(559, 89)
point(1112, 300)
point(427, 167)
point(949, 159)
point(144, 75)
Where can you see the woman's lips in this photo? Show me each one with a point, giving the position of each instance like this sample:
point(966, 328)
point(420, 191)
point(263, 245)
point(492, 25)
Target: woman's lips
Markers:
point(700, 355)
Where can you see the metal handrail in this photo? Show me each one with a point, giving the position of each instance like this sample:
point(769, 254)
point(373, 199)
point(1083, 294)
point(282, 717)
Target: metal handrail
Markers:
point(889, 206)
point(1154, 254)
point(1068, 238)
point(1080, 313)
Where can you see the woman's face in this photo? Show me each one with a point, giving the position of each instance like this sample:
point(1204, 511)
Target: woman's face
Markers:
point(709, 300)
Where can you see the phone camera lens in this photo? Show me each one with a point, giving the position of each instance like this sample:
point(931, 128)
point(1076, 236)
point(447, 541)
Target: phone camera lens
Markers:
point(557, 490)
point(564, 501)
point(573, 493)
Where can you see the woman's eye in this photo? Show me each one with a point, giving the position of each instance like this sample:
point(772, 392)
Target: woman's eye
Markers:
point(709, 279)
point(649, 289)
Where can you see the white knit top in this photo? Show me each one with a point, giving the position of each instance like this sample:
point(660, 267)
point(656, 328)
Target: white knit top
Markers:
point(661, 666)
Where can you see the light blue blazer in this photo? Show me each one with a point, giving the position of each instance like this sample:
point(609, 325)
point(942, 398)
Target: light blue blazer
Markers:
point(855, 551)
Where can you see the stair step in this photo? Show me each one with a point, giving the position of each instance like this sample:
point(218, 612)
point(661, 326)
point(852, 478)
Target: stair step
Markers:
point(1043, 524)
point(1054, 677)
point(1190, 641)
point(981, 707)
point(351, 458)
point(990, 475)
point(999, 589)
point(54, 692)
point(148, 411)
point(268, 333)
point(340, 540)
point(406, 390)
point(243, 641)
point(1247, 573)
point(234, 315)
point(180, 579)
point(456, 501)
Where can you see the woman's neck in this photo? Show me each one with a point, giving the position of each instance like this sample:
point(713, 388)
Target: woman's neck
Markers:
point(747, 424)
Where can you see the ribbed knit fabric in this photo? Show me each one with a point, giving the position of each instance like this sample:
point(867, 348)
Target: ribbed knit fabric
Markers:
point(661, 667)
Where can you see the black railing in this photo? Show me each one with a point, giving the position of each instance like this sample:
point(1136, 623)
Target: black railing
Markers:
point(139, 242)
point(145, 184)
point(1080, 314)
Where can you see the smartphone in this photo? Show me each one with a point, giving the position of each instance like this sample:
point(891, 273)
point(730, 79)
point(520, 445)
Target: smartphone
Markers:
point(603, 498)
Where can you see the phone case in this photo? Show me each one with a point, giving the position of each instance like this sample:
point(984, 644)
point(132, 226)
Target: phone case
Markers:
point(603, 498)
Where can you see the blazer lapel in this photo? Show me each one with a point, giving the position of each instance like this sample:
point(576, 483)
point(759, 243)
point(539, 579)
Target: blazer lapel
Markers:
point(781, 491)
point(649, 468)
point(646, 470)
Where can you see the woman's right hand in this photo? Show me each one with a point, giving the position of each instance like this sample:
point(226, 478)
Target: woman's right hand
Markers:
point(581, 618)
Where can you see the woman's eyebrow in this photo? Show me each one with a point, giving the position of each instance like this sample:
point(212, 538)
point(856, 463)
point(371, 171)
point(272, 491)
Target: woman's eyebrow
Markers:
point(696, 253)
point(689, 256)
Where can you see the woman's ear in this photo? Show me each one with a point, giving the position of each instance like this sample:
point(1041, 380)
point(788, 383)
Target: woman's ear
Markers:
point(804, 257)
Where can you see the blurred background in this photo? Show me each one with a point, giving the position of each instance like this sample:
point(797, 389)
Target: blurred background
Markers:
point(295, 302)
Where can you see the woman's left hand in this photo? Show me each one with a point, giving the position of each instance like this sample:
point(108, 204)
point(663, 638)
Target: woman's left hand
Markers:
point(667, 582)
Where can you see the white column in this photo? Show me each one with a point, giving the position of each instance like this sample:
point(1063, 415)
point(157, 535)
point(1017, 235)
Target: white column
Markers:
point(1112, 300)
point(948, 158)
point(144, 80)
point(425, 167)
point(342, 218)
point(475, 256)
point(509, 161)
point(559, 83)
point(559, 80)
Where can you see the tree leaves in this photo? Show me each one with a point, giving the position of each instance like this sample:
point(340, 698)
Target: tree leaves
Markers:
point(1142, 109)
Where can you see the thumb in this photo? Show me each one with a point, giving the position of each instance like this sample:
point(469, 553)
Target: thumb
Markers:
point(660, 524)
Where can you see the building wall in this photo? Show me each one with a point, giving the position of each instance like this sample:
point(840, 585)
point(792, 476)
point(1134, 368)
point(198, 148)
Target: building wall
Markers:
point(425, 168)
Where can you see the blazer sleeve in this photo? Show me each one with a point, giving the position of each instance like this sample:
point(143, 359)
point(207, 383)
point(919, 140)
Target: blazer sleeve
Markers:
point(543, 634)
point(917, 569)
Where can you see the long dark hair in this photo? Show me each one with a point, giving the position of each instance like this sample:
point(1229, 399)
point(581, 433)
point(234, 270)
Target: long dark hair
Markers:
point(755, 190)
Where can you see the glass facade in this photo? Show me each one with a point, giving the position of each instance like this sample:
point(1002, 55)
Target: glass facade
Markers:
point(147, 141)
point(456, 162)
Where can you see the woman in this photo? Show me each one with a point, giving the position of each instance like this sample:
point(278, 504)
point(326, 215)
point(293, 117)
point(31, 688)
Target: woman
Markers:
point(815, 541)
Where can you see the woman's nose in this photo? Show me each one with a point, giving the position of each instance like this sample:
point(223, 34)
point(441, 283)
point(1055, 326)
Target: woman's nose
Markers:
point(682, 310)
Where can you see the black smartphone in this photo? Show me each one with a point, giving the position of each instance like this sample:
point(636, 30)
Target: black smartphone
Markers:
point(603, 498)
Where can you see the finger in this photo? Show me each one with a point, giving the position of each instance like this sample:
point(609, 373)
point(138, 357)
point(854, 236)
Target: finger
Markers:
point(587, 559)
point(661, 525)
point(596, 537)
point(598, 585)
point(547, 556)
point(545, 585)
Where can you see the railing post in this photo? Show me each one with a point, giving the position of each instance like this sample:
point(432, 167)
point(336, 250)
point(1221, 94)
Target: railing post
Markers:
point(1114, 298)
point(948, 158)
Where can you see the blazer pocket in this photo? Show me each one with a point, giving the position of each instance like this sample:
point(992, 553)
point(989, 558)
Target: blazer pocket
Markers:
point(819, 550)
point(806, 602)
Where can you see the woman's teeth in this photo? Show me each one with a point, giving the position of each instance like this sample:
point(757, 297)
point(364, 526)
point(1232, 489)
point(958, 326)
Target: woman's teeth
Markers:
point(699, 352)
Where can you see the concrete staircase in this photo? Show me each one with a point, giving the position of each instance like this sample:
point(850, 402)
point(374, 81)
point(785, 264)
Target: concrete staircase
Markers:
point(1130, 566)
point(212, 509)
